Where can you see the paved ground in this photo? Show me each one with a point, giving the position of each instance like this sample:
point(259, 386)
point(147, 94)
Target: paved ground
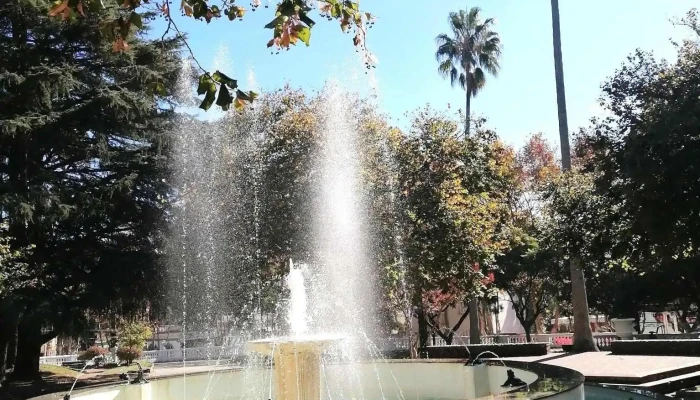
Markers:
point(605, 367)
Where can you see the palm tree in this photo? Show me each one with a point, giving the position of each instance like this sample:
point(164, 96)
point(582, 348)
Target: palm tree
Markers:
point(583, 336)
point(469, 53)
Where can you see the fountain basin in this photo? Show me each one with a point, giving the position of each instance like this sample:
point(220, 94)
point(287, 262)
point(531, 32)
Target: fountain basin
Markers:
point(389, 380)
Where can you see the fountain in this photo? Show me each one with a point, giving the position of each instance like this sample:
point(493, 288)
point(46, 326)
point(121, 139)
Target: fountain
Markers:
point(219, 224)
point(296, 359)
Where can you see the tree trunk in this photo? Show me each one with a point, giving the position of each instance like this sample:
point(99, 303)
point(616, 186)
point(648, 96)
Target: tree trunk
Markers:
point(468, 121)
point(4, 341)
point(561, 93)
point(8, 338)
point(422, 332)
point(528, 335)
point(487, 320)
point(474, 332)
point(29, 344)
point(12, 349)
point(583, 336)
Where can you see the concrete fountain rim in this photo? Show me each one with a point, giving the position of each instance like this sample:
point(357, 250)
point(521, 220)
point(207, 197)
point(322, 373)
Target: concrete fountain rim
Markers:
point(574, 378)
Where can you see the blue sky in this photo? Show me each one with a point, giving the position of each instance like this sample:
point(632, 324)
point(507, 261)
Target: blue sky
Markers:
point(597, 35)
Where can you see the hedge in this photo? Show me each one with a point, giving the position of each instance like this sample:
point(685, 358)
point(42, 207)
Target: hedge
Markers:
point(657, 347)
point(502, 350)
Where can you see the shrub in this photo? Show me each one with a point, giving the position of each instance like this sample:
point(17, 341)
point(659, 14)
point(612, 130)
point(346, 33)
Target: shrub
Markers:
point(92, 352)
point(129, 354)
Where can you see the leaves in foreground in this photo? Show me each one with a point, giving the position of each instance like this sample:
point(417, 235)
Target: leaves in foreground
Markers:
point(291, 24)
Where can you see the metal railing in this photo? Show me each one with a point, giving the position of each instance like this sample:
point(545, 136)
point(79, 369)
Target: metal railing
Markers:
point(556, 340)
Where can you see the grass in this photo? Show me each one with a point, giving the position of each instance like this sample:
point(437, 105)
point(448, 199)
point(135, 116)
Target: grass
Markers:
point(57, 371)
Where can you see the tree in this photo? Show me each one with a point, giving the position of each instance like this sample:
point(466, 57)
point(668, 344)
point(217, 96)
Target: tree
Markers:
point(292, 24)
point(451, 209)
point(526, 275)
point(525, 268)
point(82, 171)
point(643, 159)
point(472, 51)
point(583, 336)
point(435, 303)
point(134, 334)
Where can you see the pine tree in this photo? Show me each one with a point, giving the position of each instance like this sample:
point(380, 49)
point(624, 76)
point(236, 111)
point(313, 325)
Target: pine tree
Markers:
point(83, 147)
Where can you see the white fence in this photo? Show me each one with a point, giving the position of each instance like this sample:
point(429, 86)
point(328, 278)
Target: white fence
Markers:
point(58, 360)
point(216, 352)
point(160, 356)
point(603, 340)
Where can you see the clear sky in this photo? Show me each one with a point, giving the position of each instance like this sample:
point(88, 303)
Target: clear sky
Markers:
point(597, 35)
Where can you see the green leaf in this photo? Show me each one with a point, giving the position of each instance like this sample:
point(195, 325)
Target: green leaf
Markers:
point(304, 35)
point(95, 5)
point(223, 79)
point(199, 9)
point(205, 83)
point(135, 19)
point(336, 10)
point(108, 31)
point(209, 98)
point(305, 19)
point(224, 99)
point(243, 96)
point(275, 22)
point(286, 8)
point(160, 89)
point(156, 88)
point(208, 86)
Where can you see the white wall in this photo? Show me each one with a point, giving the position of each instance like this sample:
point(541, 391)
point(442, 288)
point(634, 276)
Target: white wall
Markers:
point(506, 318)
point(448, 381)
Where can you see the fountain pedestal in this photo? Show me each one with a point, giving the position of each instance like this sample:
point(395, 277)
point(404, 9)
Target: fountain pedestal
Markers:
point(297, 365)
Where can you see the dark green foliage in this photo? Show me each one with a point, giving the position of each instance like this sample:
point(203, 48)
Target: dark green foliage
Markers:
point(82, 166)
point(629, 210)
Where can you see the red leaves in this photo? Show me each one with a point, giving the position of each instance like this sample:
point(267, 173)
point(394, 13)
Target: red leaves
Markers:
point(537, 160)
point(435, 301)
point(61, 9)
point(289, 32)
point(119, 45)
point(488, 279)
